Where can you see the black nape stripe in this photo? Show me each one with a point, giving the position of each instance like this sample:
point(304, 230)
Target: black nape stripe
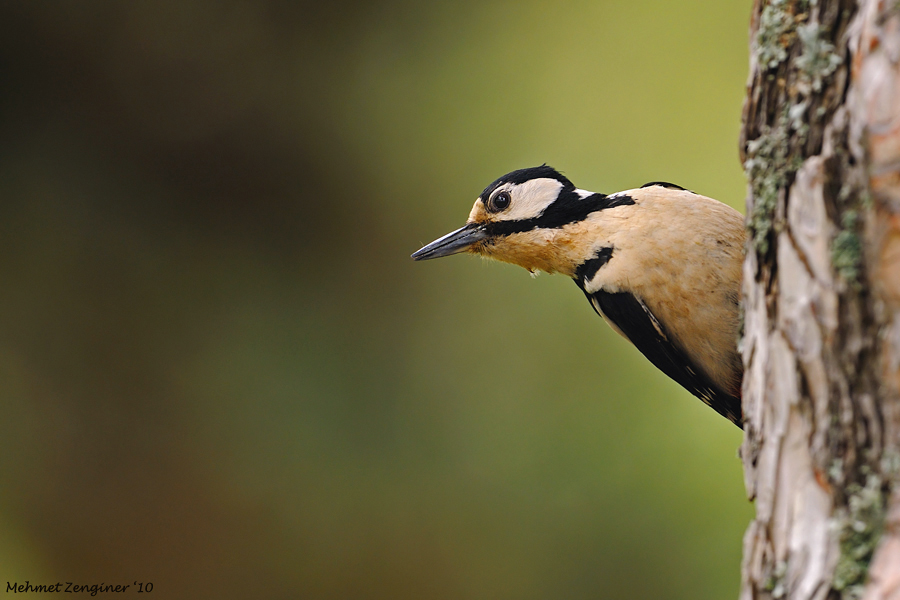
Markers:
point(666, 184)
point(568, 208)
point(586, 270)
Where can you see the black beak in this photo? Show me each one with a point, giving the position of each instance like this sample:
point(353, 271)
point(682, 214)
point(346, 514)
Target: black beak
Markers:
point(453, 243)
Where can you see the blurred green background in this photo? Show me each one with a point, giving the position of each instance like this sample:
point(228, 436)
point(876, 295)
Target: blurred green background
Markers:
point(220, 372)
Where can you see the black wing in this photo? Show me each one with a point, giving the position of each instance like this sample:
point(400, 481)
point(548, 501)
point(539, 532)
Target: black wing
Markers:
point(648, 335)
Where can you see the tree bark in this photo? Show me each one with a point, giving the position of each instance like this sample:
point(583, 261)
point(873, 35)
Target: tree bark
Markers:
point(821, 345)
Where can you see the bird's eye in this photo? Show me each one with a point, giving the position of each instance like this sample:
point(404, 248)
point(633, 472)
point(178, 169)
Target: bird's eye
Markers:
point(500, 202)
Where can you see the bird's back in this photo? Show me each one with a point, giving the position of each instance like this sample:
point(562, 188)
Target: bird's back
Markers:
point(681, 255)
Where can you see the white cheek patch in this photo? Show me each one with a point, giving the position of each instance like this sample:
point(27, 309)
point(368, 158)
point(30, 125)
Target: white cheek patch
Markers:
point(529, 199)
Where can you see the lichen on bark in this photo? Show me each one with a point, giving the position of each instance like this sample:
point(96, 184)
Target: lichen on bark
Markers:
point(814, 399)
point(858, 526)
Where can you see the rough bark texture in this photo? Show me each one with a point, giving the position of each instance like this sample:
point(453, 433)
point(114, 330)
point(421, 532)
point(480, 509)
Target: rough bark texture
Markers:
point(821, 145)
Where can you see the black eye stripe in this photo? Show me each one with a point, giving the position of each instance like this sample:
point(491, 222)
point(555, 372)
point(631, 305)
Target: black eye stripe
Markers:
point(568, 208)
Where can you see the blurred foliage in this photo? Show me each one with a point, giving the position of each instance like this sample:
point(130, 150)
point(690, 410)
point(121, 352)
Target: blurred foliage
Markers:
point(220, 371)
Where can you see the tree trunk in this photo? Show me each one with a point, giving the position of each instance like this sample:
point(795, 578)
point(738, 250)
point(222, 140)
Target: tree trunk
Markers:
point(821, 347)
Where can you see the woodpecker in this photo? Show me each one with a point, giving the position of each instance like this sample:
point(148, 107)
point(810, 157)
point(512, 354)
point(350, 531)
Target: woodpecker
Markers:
point(661, 264)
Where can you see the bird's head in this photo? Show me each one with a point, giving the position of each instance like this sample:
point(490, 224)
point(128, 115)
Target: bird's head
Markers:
point(527, 217)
